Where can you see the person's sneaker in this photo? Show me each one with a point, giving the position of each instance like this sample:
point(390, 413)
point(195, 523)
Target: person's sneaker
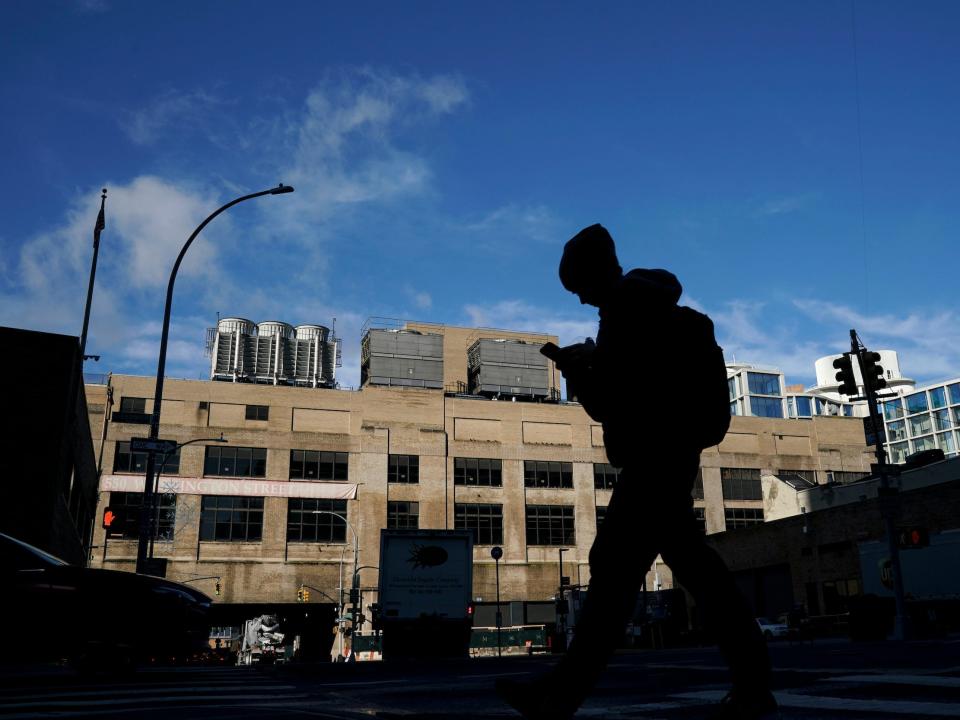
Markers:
point(742, 706)
point(537, 699)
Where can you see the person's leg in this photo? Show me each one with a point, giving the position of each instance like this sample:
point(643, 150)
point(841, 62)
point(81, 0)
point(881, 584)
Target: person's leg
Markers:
point(625, 547)
point(622, 552)
point(727, 614)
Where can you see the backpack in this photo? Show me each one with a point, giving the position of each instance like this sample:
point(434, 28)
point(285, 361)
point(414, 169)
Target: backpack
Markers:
point(704, 378)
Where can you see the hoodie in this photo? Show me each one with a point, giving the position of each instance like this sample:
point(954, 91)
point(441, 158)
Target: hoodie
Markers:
point(621, 388)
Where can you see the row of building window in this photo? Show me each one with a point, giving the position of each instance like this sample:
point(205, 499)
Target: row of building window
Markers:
point(227, 518)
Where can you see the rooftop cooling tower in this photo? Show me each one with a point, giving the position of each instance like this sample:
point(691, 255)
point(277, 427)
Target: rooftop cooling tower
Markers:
point(510, 368)
point(232, 336)
point(401, 357)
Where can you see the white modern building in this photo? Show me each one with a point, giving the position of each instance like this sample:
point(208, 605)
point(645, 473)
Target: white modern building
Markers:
point(915, 420)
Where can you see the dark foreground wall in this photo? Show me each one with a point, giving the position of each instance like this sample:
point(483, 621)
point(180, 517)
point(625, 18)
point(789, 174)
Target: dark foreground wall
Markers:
point(47, 463)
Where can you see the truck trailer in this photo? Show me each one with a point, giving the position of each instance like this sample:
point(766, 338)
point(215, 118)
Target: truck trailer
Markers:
point(425, 593)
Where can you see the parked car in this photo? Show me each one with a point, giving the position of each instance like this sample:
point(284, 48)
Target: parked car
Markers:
point(773, 628)
point(93, 617)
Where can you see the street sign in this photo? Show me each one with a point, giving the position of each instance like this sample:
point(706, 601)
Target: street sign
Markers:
point(564, 580)
point(156, 567)
point(164, 447)
point(496, 553)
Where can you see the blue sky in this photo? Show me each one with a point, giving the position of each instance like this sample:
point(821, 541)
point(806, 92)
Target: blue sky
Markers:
point(443, 152)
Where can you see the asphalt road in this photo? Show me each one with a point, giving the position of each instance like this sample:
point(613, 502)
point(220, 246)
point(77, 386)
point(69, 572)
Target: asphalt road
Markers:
point(824, 680)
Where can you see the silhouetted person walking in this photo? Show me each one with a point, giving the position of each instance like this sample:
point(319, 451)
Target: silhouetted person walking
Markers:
point(656, 381)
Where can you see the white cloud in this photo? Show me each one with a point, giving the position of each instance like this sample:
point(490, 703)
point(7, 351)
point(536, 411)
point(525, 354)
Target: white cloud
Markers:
point(346, 138)
point(928, 343)
point(522, 316)
point(783, 205)
point(510, 222)
point(173, 111)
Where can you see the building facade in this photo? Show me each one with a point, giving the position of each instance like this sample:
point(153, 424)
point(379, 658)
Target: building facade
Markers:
point(262, 511)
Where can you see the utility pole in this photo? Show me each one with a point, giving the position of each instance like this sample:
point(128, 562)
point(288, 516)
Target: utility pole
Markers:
point(888, 496)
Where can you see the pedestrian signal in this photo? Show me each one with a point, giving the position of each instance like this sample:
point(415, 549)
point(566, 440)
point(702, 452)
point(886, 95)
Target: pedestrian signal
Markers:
point(306, 594)
point(217, 587)
point(914, 537)
point(108, 517)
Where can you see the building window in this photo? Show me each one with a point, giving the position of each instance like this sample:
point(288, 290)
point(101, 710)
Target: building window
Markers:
point(700, 515)
point(899, 452)
point(809, 475)
point(893, 409)
point(954, 391)
point(734, 408)
point(550, 525)
point(485, 520)
point(741, 484)
point(544, 474)
point(403, 515)
point(920, 425)
point(258, 412)
point(938, 398)
point(766, 407)
point(478, 471)
point(601, 514)
point(941, 420)
point(924, 443)
point(133, 405)
point(844, 476)
point(125, 461)
point(945, 440)
point(731, 388)
point(231, 518)
point(804, 408)
point(403, 469)
point(126, 509)
point(736, 517)
point(916, 403)
point(763, 383)
point(318, 465)
point(896, 430)
point(235, 461)
point(311, 520)
point(605, 476)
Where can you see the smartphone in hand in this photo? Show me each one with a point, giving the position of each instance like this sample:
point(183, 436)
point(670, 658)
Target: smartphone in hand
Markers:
point(550, 350)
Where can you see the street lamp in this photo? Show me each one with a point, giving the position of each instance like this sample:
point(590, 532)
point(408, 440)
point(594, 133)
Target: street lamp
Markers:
point(144, 536)
point(356, 552)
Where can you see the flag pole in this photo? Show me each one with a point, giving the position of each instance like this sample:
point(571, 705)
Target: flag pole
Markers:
point(101, 224)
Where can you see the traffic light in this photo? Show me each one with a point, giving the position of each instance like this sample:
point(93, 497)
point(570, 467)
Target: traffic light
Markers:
point(217, 588)
point(376, 616)
point(470, 609)
point(354, 596)
point(306, 594)
point(913, 537)
point(300, 594)
point(848, 384)
point(108, 517)
point(872, 372)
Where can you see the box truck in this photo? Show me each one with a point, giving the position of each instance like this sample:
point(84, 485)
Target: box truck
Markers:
point(425, 593)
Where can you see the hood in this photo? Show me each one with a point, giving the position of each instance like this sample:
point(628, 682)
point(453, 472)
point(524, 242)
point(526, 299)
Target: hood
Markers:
point(651, 286)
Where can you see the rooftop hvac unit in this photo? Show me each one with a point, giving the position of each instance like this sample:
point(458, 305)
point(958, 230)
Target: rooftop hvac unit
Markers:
point(307, 354)
point(509, 368)
point(401, 357)
point(232, 337)
point(272, 352)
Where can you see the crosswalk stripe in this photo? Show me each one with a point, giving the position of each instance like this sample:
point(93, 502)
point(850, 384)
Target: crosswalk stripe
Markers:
point(817, 702)
point(895, 679)
point(164, 699)
point(139, 691)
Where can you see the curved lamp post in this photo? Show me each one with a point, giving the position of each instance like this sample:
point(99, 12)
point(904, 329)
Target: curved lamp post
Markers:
point(356, 551)
point(147, 507)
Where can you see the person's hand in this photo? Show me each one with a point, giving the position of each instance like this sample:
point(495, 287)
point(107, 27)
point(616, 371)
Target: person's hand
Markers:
point(575, 358)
